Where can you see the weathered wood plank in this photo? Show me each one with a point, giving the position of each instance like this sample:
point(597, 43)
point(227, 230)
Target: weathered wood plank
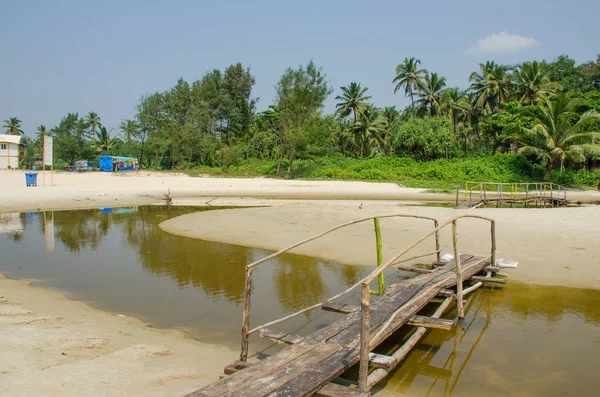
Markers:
point(339, 308)
point(489, 279)
point(333, 390)
point(430, 322)
point(236, 366)
point(295, 369)
point(382, 309)
point(313, 379)
point(415, 269)
point(230, 385)
point(280, 337)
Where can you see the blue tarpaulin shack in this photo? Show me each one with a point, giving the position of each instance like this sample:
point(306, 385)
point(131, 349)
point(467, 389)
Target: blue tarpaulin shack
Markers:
point(116, 163)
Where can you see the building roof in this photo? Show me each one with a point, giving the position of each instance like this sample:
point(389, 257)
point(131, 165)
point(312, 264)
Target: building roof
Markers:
point(10, 139)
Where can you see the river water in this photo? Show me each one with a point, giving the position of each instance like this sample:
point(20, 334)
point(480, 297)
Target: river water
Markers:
point(518, 339)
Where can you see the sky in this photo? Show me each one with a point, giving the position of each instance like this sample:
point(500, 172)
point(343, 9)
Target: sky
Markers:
point(102, 56)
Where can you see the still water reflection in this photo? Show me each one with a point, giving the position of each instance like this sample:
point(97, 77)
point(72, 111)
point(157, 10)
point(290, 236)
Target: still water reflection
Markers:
point(120, 260)
point(519, 340)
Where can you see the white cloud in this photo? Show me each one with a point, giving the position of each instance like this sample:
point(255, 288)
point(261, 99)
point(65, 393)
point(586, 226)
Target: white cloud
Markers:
point(502, 43)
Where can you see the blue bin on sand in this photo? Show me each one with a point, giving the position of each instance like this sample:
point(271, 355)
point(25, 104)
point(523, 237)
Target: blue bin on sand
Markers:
point(31, 178)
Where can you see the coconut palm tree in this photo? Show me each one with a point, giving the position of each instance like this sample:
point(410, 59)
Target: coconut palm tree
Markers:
point(104, 142)
point(391, 116)
point(129, 128)
point(353, 100)
point(369, 132)
point(409, 77)
point(431, 91)
point(532, 82)
point(560, 132)
point(42, 131)
point(492, 86)
point(13, 126)
point(455, 105)
point(92, 120)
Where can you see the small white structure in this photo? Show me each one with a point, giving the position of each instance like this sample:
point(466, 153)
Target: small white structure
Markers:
point(9, 151)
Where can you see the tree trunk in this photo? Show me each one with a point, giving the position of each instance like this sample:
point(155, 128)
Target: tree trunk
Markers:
point(288, 173)
point(549, 167)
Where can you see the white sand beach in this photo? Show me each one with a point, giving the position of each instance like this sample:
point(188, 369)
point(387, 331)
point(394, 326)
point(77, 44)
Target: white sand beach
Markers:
point(70, 348)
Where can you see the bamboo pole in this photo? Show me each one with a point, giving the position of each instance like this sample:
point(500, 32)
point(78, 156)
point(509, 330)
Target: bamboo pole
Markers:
point(379, 246)
point(399, 354)
point(459, 280)
point(493, 242)
point(283, 250)
point(438, 254)
point(365, 311)
point(246, 314)
point(485, 193)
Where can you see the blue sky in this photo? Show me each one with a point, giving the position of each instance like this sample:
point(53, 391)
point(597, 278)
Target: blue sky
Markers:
point(81, 56)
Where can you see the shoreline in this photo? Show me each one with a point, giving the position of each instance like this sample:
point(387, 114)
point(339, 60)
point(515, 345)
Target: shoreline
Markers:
point(100, 189)
point(556, 246)
point(70, 347)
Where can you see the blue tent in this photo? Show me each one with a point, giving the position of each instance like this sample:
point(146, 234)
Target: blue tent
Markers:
point(116, 163)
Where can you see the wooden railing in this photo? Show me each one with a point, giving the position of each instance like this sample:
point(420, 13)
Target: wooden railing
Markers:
point(483, 191)
point(365, 333)
point(246, 331)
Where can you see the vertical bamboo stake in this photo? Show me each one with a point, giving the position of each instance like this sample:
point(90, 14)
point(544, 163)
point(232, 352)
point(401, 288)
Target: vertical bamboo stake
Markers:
point(459, 280)
point(457, 197)
point(246, 314)
point(365, 311)
point(493, 244)
point(437, 241)
point(466, 190)
point(485, 193)
point(379, 244)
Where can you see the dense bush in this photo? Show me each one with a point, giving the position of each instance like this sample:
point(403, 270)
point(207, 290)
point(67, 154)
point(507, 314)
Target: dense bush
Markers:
point(444, 174)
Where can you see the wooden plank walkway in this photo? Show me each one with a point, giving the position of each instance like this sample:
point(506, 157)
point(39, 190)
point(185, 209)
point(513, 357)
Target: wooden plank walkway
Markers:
point(308, 365)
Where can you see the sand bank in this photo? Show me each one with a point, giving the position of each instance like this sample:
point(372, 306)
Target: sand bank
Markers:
point(52, 346)
point(559, 246)
point(98, 189)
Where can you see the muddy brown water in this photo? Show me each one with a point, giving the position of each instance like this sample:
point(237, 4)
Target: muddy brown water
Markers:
point(518, 339)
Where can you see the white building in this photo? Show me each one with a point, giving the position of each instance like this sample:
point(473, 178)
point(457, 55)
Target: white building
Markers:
point(9, 151)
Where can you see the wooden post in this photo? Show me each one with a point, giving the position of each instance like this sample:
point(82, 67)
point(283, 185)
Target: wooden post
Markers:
point(365, 330)
point(246, 315)
point(457, 197)
point(379, 245)
point(459, 279)
point(500, 190)
point(493, 243)
point(485, 193)
point(466, 190)
point(437, 241)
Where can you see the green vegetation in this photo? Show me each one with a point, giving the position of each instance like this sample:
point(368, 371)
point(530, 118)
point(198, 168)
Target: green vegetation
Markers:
point(537, 120)
point(435, 174)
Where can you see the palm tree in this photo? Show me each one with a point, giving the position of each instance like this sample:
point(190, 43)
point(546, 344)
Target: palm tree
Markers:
point(369, 132)
point(352, 100)
point(13, 126)
point(455, 104)
point(492, 86)
point(559, 132)
point(129, 128)
point(42, 131)
point(532, 82)
point(92, 120)
point(429, 96)
point(409, 76)
point(104, 142)
point(391, 116)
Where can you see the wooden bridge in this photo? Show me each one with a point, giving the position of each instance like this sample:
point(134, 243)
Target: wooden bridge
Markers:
point(309, 365)
point(543, 194)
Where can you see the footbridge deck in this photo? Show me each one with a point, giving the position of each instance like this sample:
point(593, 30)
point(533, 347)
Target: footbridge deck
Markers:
point(309, 364)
